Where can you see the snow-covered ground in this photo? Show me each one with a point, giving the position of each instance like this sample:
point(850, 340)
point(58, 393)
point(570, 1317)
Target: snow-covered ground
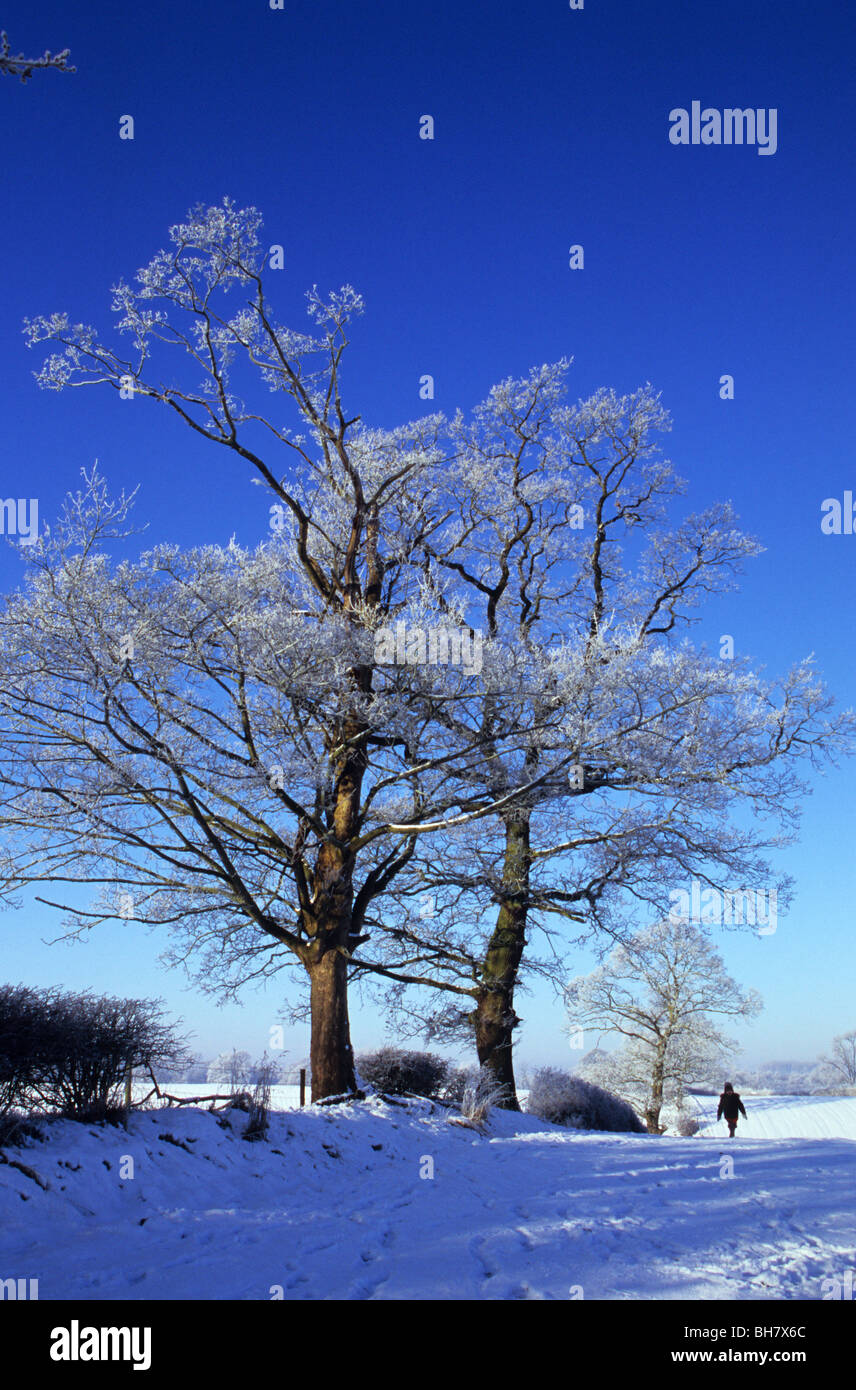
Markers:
point(282, 1097)
point(340, 1203)
point(786, 1117)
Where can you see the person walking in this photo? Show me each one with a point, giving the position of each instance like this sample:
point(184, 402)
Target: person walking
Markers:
point(730, 1105)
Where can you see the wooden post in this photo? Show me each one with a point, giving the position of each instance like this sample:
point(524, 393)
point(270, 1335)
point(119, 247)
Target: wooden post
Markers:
point(302, 1087)
point(129, 1074)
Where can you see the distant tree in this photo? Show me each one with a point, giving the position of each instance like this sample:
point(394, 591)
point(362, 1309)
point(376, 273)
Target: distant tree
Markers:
point(664, 992)
point(231, 1069)
point(196, 1071)
point(842, 1061)
point(786, 1079)
point(16, 65)
point(268, 1071)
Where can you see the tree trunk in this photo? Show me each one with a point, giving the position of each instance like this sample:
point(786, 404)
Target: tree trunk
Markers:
point(495, 1021)
point(330, 1052)
point(655, 1103)
point(494, 1018)
point(328, 925)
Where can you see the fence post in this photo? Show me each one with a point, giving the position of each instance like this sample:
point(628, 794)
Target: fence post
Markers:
point(302, 1087)
point(129, 1074)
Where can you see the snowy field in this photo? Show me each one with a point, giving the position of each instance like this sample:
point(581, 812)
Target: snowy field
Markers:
point(281, 1097)
point(340, 1204)
point(785, 1117)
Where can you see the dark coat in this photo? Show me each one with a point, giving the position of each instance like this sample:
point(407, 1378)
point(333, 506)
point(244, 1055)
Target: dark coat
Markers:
point(730, 1105)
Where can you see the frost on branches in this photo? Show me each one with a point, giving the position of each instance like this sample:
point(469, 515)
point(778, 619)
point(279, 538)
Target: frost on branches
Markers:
point(666, 993)
point(17, 65)
point(254, 772)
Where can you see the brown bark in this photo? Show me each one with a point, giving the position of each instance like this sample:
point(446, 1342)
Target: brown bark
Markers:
point(494, 1018)
point(330, 1052)
point(655, 1103)
point(328, 924)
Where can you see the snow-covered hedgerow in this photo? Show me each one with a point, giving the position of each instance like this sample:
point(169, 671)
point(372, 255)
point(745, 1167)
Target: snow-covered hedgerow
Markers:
point(564, 1099)
point(71, 1051)
point(395, 1072)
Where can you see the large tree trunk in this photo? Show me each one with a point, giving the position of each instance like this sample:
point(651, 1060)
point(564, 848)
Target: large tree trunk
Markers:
point(655, 1102)
point(329, 927)
point(494, 1018)
point(331, 1056)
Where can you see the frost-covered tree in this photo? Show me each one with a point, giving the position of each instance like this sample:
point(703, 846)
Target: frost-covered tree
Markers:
point(232, 1069)
point(182, 732)
point(841, 1061)
point(666, 993)
point(635, 747)
point(591, 722)
point(627, 1071)
point(355, 505)
point(17, 65)
point(785, 1079)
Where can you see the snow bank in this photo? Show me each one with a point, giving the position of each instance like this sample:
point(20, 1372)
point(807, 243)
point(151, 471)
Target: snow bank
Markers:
point(379, 1201)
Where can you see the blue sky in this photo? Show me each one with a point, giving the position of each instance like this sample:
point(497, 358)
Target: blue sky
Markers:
point(551, 129)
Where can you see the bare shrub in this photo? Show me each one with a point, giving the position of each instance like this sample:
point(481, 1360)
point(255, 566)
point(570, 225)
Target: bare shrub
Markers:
point(73, 1052)
point(257, 1125)
point(21, 1020)
point(16, 1129)
point(397, 1073)
point(481, 1093)
point(567, 1100)
point(456, 1083)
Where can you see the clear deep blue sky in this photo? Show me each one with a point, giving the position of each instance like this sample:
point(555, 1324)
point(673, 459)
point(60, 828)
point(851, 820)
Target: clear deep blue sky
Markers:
point(551, 128)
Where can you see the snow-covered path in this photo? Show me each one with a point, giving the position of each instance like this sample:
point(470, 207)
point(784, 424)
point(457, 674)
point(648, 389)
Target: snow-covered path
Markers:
point(339, 1205)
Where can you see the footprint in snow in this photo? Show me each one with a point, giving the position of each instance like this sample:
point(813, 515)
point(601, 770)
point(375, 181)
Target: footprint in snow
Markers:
point(475, 1248)
point(526, 1239)
point(364, 1289)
